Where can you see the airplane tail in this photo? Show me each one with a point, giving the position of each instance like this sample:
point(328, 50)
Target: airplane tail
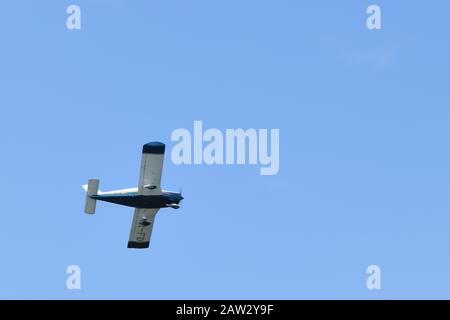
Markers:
point(91, 190)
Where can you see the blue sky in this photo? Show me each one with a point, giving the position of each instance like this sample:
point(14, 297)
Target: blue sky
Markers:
point(364, 160)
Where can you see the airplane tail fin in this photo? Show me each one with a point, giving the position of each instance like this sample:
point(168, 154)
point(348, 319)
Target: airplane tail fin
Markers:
point(91, 190)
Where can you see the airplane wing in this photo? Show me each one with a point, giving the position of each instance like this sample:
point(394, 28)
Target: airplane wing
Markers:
point(151, 168)
point(141, 229)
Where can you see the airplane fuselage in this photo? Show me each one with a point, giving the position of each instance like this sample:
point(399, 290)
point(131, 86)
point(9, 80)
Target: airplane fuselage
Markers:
point(136, 200)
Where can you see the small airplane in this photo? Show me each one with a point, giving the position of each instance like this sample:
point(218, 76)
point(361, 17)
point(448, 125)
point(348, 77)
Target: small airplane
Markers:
point(147, 197)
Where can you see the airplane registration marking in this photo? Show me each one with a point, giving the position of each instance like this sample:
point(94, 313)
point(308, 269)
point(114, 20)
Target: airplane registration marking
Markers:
point(140, 234)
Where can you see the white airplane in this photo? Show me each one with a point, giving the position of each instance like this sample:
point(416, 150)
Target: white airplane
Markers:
point(147, 197)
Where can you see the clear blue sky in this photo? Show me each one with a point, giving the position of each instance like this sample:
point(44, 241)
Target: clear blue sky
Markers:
point(364, 158)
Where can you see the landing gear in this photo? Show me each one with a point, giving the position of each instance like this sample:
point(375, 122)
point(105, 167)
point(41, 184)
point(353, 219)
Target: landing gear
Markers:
point(145, 222)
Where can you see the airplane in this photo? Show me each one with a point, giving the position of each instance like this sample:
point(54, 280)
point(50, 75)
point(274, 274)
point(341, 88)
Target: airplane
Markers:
point(147, 198)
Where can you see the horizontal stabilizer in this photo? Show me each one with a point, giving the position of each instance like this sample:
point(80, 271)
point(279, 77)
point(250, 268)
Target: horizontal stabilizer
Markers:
point(91, 190)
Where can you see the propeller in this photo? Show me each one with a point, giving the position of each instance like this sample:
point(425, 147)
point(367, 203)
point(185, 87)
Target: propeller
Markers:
point(174, 203)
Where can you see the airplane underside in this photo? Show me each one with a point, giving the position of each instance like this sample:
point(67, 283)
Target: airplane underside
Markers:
point(138, 201)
